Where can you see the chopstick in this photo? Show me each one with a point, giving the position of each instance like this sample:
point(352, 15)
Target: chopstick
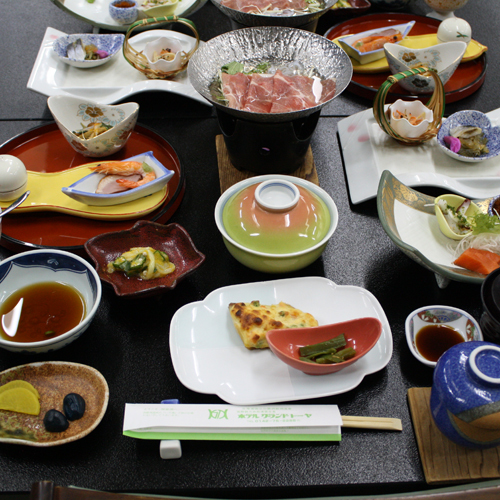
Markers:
point(380, 423)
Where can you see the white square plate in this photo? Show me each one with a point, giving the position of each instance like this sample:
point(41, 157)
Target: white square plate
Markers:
point(209, 357)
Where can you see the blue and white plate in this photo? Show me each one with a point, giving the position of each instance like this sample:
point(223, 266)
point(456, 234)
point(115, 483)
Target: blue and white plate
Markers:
point(84, 189)
point(474, 119)
point(109, 43)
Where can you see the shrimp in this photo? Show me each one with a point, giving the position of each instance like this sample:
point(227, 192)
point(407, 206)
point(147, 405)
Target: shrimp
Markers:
point(127, 168)
point(377, 41)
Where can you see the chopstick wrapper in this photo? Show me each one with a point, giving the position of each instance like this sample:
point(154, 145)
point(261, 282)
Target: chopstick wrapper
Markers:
point(233, 423)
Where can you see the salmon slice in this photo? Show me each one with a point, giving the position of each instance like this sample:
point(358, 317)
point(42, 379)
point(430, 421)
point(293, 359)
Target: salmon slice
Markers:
point(480, 261)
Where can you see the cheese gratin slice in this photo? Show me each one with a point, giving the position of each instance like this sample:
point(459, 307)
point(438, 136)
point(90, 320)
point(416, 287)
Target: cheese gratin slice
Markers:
point(252, 320)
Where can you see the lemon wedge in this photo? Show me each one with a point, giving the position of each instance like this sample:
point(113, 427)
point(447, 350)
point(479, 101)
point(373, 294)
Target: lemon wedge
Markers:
point(19, 383)
point(21, 400)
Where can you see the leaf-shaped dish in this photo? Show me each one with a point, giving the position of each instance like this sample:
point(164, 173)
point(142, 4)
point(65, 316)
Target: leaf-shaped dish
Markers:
point(53, 380)
point(409, 219)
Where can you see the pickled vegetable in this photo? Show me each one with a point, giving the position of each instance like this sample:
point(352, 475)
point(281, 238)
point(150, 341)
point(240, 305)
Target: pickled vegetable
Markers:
point(331, 351)
point(144, 262)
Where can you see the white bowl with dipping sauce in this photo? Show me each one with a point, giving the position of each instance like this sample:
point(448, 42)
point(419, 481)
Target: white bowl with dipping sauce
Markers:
point(52, 274)
point(432, 330)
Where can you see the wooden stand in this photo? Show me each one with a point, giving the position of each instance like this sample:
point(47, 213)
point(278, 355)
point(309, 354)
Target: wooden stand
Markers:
point(443, 461)
point(229, 175)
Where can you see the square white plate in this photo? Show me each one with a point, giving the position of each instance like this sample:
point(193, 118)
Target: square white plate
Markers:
point(109, 83)
point(209, 357)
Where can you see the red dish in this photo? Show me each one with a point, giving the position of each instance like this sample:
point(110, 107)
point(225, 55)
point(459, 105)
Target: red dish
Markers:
point(44, 149)
point(465, 81)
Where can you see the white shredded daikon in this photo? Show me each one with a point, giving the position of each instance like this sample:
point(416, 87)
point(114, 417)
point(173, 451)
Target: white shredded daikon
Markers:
point(482, 241)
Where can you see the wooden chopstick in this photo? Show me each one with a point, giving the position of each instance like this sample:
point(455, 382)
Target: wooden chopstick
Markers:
point(380, 423)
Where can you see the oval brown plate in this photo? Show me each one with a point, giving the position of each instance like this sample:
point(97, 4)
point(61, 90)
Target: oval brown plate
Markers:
point(44, 149)
point(53, 380)
point(468, 77)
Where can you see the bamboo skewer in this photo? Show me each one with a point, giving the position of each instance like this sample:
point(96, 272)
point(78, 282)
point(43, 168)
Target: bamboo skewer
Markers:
point(380, 423)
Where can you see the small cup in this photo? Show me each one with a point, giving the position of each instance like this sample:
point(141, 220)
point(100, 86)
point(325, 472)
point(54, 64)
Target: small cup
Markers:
point(123, 11)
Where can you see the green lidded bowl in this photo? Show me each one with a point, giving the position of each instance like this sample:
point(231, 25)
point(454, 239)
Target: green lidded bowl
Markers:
point(276, 223)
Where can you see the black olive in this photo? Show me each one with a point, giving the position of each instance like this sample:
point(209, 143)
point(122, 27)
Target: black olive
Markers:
point(73, 406)
point(55, 421)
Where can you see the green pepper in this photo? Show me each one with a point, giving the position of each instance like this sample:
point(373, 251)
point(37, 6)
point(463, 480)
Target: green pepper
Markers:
point(311, 350)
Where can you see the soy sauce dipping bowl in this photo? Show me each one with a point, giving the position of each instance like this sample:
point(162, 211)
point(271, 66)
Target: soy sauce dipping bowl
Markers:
point(453, 317)
point(362, 334)
point(39, 266)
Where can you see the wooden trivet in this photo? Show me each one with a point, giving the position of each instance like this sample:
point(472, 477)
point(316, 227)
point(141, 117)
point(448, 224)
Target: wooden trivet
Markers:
point(229, 175)
point(443, 461)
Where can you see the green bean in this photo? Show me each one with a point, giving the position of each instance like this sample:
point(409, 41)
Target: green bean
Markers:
point(315, 349)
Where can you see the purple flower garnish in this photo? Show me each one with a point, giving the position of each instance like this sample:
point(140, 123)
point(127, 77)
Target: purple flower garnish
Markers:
point(102, 54)
point(453, 143)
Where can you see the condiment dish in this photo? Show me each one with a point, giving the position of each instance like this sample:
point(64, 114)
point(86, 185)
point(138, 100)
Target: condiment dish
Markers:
point(74, 114)
point(171, 239)
point(348, 42)
point(465, 394)
point(442, 316)
point(48, 266)
point(470, 118)
point(443, 57)
point(107, 47)
point(269, 233)
point(361, 334)
point(84, 190)
point(124, 11)
point(453, 200)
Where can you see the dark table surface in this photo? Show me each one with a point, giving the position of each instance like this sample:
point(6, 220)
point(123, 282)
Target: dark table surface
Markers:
point(131, 349)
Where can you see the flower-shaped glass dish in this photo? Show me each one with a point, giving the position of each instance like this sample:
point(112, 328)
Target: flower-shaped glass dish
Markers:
point(156, 8)
point(444, 58)
point(110, 44)
point(444, 316)
point(84, 190)
point(350, 42)
point(445, 224)
point(361, 334)
point(73, 114)
point(171, 239)
point(403, 112)
point(470, 118)
point(176, 50)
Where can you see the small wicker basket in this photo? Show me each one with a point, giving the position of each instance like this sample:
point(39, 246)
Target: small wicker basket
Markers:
point(140, 62)
point(436, 103)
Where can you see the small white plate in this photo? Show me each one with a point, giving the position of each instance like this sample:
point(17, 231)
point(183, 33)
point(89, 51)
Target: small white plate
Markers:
point(109, 83)
point(367, 151)
point(209, 357)
point(84, 189)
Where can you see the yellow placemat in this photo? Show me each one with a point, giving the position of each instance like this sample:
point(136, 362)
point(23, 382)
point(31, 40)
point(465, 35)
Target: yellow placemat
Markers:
point(474, 50)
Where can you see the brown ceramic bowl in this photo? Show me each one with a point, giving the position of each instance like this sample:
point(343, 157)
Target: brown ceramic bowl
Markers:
point(171, 239)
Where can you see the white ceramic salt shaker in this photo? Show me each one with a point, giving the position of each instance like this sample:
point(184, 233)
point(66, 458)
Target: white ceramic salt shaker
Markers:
point(454, 29)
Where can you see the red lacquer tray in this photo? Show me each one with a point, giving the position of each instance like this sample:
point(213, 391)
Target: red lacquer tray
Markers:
point(44, 149)
point(468, 77)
